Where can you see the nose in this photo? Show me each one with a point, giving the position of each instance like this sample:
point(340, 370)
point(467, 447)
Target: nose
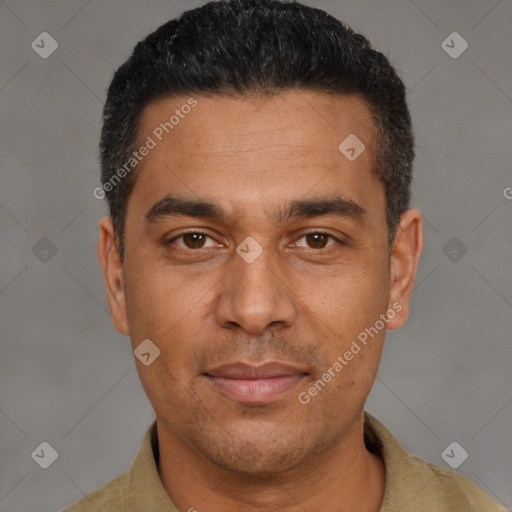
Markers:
point(256, 295)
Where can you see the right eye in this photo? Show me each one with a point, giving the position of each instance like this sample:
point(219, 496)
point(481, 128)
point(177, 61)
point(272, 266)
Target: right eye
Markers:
point(192, 240)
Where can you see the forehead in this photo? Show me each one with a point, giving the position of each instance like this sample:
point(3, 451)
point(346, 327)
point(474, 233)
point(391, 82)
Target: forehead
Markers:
point(247, 152)
point(220, 125)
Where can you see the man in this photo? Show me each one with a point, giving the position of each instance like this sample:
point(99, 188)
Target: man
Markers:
point(257, 162)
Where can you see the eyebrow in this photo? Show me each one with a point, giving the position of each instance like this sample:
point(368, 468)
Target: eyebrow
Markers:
point(173, 205)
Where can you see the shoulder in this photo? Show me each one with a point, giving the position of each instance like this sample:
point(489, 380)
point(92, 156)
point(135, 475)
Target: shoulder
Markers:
point(457, 489)
point(113, 493)
point(414, 483)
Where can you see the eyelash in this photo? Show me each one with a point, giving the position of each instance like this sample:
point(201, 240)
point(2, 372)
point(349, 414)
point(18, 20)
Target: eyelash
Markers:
point(326, 250)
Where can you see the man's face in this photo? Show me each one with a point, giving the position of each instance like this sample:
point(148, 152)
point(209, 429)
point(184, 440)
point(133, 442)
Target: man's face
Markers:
point(318, 282)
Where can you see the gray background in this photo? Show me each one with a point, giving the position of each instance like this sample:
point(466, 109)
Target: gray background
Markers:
point(69, 378)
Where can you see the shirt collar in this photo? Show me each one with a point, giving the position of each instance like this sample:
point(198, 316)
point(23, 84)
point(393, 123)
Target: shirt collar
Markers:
point(411, 483)
point(145, 490)
point(408, 478)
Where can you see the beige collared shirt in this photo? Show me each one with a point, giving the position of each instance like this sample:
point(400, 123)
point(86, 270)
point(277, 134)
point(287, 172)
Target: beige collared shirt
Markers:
point(413, 484)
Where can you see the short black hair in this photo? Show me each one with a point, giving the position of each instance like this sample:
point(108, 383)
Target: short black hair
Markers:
point(241, 48)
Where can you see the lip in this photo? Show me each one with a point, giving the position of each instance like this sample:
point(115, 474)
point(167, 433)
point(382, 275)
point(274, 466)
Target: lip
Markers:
point(251, 384)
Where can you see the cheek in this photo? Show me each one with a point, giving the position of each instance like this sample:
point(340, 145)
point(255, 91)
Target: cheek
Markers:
point(169, 309)
point(348, 298)
point(345, 310)
point(154, 293)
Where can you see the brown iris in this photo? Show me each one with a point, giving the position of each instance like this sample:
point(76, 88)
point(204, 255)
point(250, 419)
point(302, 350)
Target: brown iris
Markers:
point(196, 240)
point(317, 238)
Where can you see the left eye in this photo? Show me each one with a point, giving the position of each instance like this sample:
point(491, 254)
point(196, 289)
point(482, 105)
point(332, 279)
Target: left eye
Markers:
point(318, 238)
point(196, 240)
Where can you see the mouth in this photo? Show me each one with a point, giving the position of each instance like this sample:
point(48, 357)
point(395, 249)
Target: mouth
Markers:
point(249, 384)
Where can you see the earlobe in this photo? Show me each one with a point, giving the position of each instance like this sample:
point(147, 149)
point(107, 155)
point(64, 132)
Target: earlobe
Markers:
point(110, 261)
point(405, 256)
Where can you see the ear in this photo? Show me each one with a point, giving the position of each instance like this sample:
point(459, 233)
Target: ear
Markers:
point(405, 256)
point(108, 254)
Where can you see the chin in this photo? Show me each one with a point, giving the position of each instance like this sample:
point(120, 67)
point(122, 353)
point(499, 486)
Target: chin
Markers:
point(260, 457)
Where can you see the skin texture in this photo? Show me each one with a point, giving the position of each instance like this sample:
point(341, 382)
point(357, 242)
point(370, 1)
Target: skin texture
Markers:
point(203, 305)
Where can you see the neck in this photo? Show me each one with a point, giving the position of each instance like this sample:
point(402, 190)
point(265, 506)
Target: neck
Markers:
point(348, 477)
